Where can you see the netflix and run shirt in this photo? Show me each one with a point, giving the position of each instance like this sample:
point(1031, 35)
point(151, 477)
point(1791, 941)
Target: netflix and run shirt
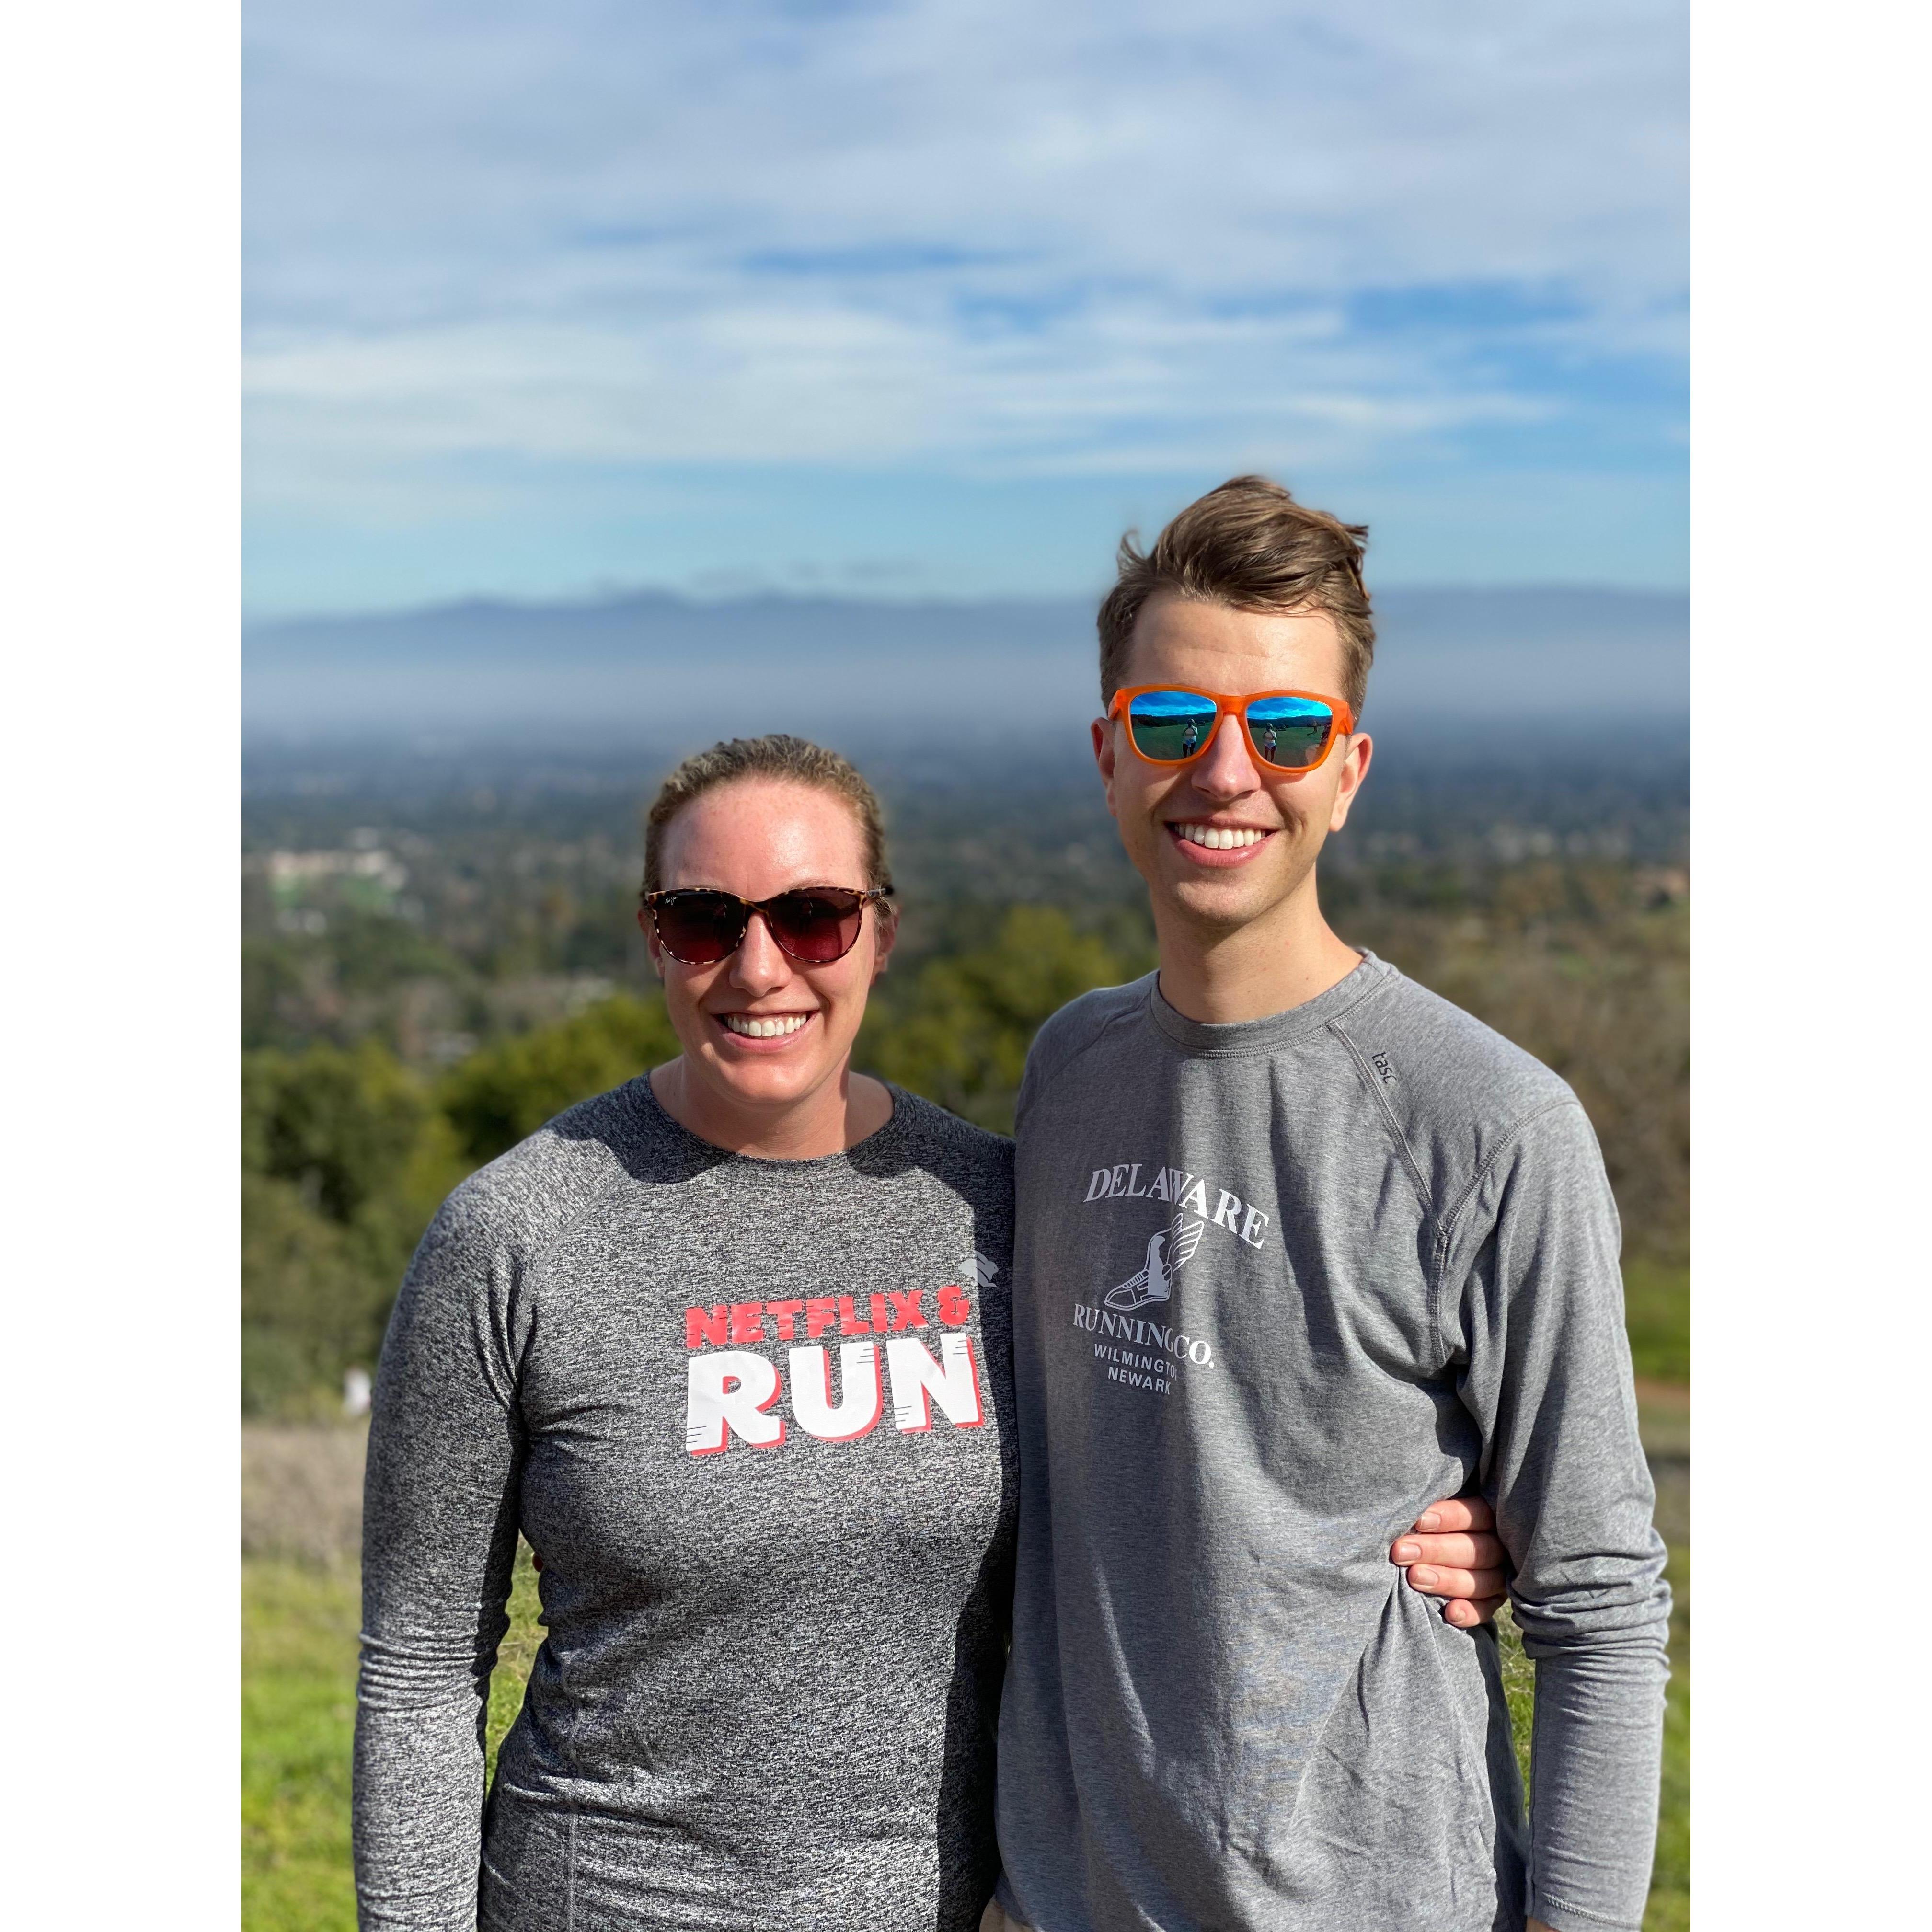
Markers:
point(755, 1418)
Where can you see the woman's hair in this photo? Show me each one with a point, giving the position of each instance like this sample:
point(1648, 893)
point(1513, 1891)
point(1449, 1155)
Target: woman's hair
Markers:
point(777, 755)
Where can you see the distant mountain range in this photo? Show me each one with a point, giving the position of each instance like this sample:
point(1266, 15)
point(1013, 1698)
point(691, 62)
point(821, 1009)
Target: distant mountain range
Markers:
point(658, 667)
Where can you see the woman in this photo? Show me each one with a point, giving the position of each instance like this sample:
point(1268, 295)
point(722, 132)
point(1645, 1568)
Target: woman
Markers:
point(730, 1345)
point(721, 1344)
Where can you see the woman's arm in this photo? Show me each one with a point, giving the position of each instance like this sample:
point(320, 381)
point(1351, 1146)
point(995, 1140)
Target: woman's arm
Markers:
point(439, 1539)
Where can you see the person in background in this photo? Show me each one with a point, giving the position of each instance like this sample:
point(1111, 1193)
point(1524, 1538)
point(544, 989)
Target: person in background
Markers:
point(1299, 1246)
point(730, 1346)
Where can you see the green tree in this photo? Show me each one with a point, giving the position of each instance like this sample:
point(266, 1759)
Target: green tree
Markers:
point(344, 1157)
point(340, 1126)
point(505, 1092)
point(311, 1305)
point(272, 986)
point(962, 1038)
point(374, 951)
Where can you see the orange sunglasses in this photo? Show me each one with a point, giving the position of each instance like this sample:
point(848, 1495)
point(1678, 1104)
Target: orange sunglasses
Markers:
point(1287, 730)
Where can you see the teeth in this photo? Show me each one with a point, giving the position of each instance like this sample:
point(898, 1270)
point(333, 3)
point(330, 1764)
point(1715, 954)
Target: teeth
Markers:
point(1220, 838)
point(771, 1029)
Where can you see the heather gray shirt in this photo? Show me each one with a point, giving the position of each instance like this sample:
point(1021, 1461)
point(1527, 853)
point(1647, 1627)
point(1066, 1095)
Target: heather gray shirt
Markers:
point(1279, 1286)
point(755, 1418)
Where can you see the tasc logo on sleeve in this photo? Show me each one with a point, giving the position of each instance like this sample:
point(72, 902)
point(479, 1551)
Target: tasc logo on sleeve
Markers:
point(731, 1391)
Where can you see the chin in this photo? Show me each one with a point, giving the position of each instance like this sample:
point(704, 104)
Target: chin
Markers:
point(1235, 896)
point(1220, 912)
point(764, 1085)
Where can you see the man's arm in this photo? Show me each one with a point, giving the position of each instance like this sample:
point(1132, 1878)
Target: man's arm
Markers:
point(1533, 1304)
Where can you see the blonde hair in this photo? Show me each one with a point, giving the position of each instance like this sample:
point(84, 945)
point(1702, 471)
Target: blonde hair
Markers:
point(776, 755)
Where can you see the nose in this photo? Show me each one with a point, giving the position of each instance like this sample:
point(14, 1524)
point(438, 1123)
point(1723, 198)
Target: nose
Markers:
point(759, 966)
point(1225, 770)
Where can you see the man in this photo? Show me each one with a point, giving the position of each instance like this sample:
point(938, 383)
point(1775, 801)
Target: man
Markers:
point(1301, 1246)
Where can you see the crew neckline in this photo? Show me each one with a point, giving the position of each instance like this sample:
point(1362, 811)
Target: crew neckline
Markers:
point(1227, 1039)
point(883, 1139)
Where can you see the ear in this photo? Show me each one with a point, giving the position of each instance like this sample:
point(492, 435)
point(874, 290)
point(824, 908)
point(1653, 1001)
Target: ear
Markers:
point(650, 932)
point(1355, 756)
point(1104, 748)
point(885, 935)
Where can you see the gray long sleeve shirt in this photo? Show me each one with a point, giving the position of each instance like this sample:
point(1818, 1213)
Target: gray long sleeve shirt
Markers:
point(755, 1416)
point(1279, 1285)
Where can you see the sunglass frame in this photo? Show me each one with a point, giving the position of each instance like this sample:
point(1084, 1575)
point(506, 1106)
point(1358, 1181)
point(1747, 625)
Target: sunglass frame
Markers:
point(1233, 703)
point(649, 902)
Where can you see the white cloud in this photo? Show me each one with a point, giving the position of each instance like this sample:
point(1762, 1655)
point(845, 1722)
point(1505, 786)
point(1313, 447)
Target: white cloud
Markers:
point(1223, 145)
point(1001, 236)
point(1118, 389)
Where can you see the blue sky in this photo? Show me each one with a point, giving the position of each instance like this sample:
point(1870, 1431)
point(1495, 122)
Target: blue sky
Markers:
point(923, 299)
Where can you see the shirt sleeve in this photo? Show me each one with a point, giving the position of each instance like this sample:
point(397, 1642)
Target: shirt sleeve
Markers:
point(438, 1542)
point(1538, 1327)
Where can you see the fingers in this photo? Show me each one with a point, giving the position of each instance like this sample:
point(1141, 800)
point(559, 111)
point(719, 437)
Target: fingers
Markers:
point(1434, 1580)
point(1463, 1552)
point(1453, 1552)
point(1457, 1512)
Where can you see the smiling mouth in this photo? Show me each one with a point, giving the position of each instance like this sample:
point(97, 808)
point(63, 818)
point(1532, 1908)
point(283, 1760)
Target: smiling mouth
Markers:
point(1219, 838)
point(763, 1026)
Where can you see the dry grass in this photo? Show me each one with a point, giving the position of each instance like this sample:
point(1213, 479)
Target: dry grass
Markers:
point(1602, 998)
point(302, 1492)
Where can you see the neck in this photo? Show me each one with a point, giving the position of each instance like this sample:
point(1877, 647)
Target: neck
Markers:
point(839, 1114)
point(1220, 974)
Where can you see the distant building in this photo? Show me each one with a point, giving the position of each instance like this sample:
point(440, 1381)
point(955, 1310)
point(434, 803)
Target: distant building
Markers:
point(290, 873)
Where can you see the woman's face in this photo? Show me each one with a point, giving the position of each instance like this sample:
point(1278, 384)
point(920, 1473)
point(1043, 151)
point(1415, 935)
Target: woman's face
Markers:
point(758, 837)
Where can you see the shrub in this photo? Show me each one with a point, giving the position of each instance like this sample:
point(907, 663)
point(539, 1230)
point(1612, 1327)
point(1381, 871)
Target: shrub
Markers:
point(962, 1038)
point(504, 1093)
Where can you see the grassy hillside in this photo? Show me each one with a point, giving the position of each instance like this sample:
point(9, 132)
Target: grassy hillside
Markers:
point(298, 1649)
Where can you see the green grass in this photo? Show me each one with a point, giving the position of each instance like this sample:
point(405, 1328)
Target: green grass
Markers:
point(1519, 1687)
point(298, 1720)
point(514, 1655)
point(1657, 1312)
point(298, 1626)
point(299, 1710)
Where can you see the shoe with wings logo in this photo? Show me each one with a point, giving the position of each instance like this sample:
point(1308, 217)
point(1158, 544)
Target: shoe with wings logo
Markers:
point(1165, 1253)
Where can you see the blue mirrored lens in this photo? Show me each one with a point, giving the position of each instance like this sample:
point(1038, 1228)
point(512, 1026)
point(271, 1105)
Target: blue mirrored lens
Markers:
point(1171, 724)
point(1290, 732)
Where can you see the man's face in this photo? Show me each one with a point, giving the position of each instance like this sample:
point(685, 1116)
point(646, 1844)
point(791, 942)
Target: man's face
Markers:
point(1162, 809)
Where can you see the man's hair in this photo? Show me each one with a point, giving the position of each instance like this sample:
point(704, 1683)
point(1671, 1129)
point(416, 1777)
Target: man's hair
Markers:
point(1250, 546)
point(777, 755)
